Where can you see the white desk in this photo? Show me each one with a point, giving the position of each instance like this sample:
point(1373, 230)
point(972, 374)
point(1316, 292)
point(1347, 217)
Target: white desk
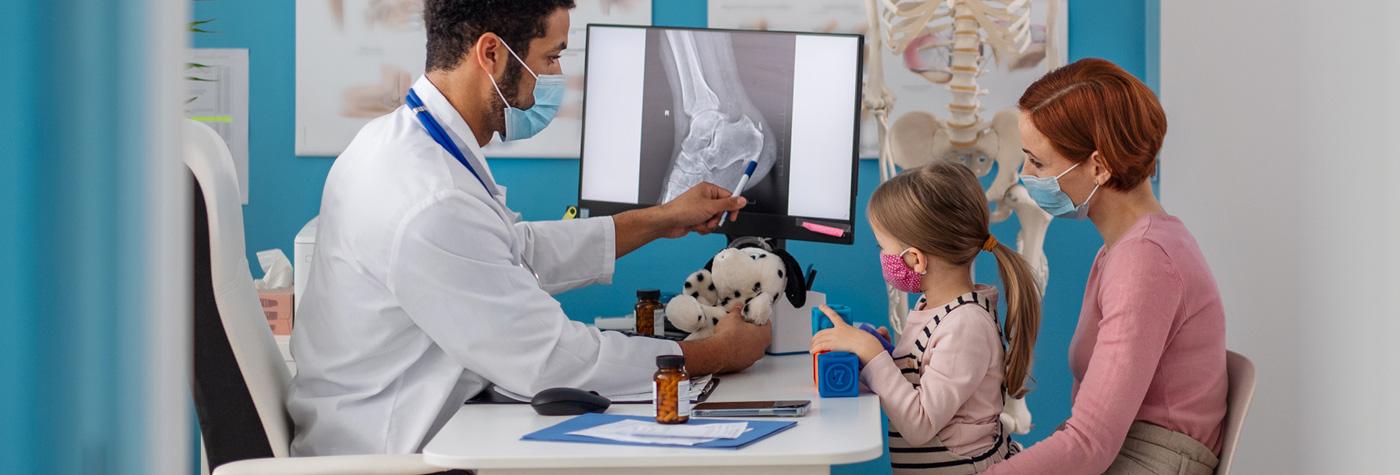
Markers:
point(486, 437)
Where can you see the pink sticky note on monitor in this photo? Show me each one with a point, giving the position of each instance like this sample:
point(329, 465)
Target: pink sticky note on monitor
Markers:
point(821, 229)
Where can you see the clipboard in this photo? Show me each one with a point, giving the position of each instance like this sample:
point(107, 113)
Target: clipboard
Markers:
point(758, 430)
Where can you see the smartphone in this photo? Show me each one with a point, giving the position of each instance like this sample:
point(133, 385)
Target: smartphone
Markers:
point(752, 409)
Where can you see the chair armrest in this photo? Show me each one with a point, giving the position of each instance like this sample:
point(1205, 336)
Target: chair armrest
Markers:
point(404, 464)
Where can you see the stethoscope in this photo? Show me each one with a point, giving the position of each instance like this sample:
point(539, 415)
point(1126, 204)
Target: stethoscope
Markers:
point(440, 136)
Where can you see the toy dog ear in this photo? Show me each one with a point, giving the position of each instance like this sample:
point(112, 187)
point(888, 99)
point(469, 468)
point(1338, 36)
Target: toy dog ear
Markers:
point(796, 282)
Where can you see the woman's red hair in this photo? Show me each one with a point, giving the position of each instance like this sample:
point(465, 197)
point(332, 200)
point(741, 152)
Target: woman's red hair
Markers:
point(1094, 105)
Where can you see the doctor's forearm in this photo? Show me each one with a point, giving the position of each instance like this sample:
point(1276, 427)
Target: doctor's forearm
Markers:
point(636, 228)
point(704, 357)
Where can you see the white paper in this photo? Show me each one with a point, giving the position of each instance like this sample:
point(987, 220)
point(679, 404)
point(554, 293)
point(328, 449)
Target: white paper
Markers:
point(216, 93)
point(631, 430)
point(728, 430)
point(911, 91)
point(357, 58)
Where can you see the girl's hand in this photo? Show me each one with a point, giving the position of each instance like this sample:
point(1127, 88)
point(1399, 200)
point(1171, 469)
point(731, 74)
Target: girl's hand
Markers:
point(844, 337)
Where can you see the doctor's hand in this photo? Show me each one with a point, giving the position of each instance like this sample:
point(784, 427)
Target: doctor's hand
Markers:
point(699, 209)
point(736, 345)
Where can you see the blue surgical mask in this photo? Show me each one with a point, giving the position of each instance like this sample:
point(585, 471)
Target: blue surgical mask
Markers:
point(1047, 194)
point(549, 93)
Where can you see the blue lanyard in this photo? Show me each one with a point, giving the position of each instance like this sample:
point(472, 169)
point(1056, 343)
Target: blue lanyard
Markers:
point(439, 135)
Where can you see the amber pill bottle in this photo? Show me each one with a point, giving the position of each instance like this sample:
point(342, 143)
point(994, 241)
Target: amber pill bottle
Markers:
point(648, 302)
point(671, 390)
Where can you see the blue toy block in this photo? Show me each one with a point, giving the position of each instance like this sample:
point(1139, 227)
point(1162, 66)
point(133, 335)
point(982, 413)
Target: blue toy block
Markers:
point(838, 374)
point(821, 322)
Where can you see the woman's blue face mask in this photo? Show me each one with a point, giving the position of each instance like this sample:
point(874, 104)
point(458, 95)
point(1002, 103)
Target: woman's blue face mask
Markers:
point(1047, 194)
point(549, 93)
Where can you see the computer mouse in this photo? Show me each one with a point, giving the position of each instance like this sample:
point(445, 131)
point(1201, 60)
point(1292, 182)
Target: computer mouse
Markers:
point(568, 402)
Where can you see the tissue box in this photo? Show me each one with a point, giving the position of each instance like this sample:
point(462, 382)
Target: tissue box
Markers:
point(277, 306)
point(836, 374)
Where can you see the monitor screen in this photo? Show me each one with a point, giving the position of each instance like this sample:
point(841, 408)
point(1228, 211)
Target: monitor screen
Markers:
point(668, 108)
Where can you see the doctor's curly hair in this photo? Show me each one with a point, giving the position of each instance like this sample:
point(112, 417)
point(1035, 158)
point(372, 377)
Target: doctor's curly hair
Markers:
point(453, 26)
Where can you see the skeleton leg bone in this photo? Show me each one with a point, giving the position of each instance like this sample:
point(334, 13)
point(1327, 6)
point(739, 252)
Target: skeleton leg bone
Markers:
point(1030, 240)
point(1009, 155)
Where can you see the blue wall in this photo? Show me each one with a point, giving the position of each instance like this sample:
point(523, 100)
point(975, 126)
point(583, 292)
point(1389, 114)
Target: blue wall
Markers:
point(286, 190)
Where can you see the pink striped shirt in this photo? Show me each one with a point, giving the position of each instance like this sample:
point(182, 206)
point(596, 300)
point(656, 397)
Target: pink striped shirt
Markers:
point(958, 395)
point(1150, 347)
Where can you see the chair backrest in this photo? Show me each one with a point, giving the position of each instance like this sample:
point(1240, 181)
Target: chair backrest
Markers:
point(1241, 376)
point(241, 379)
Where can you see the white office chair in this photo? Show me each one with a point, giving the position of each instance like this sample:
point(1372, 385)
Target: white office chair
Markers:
point(1240, 373)
point(241, 381)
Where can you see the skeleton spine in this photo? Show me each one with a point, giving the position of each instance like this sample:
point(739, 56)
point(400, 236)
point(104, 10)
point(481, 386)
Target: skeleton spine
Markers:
point(963, 121)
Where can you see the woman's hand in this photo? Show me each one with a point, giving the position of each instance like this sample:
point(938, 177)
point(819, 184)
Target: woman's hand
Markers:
point(844, 337)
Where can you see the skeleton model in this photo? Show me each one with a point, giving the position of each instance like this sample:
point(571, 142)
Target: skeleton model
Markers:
point(919, 138)
point(719, 129)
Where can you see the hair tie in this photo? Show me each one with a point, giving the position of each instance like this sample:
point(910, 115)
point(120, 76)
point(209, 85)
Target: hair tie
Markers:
point(990, 244)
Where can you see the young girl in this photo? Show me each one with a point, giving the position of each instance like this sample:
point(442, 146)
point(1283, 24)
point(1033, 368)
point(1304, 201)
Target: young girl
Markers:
point(943, 386)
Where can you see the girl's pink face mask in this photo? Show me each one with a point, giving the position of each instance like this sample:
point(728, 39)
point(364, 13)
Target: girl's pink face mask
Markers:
point(899, 274)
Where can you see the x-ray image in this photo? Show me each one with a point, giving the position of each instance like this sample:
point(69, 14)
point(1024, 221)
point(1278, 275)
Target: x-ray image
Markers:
point(711, 102)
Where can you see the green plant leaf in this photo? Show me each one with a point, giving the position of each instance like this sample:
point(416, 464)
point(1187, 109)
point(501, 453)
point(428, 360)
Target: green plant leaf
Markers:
point(196, 26)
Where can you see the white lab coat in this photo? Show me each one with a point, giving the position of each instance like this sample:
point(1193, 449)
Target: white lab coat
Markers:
point(425, 287)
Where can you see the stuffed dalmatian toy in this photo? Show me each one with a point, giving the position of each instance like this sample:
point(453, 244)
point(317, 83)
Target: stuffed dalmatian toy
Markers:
point(752, 275)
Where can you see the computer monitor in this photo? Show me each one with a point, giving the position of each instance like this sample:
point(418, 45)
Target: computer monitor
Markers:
point(667, 108)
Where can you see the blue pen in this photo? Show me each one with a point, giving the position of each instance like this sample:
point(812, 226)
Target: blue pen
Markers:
point(743, 181)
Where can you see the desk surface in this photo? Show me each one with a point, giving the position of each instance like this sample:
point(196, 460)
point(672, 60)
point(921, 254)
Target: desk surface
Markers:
point(834, 431)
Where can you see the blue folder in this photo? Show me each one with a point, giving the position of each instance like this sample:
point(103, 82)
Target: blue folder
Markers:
point(757, 430)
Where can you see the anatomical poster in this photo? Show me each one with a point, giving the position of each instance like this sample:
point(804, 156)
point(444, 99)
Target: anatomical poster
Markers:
point(356, 60)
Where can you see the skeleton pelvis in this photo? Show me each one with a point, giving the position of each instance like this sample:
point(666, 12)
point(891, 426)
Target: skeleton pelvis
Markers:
point(918, 138)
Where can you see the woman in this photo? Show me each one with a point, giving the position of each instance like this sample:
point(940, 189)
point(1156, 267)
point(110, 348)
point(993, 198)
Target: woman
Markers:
point(1148, 355)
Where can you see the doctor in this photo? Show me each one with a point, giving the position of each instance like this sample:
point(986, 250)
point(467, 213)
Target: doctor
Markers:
point(425, 287)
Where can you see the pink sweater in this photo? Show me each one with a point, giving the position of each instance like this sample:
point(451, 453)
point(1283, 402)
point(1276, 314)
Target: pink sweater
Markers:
point(1150, 347)
point(958, 394)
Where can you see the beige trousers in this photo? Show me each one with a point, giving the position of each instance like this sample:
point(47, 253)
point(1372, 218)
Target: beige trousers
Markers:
point(1155, 450)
